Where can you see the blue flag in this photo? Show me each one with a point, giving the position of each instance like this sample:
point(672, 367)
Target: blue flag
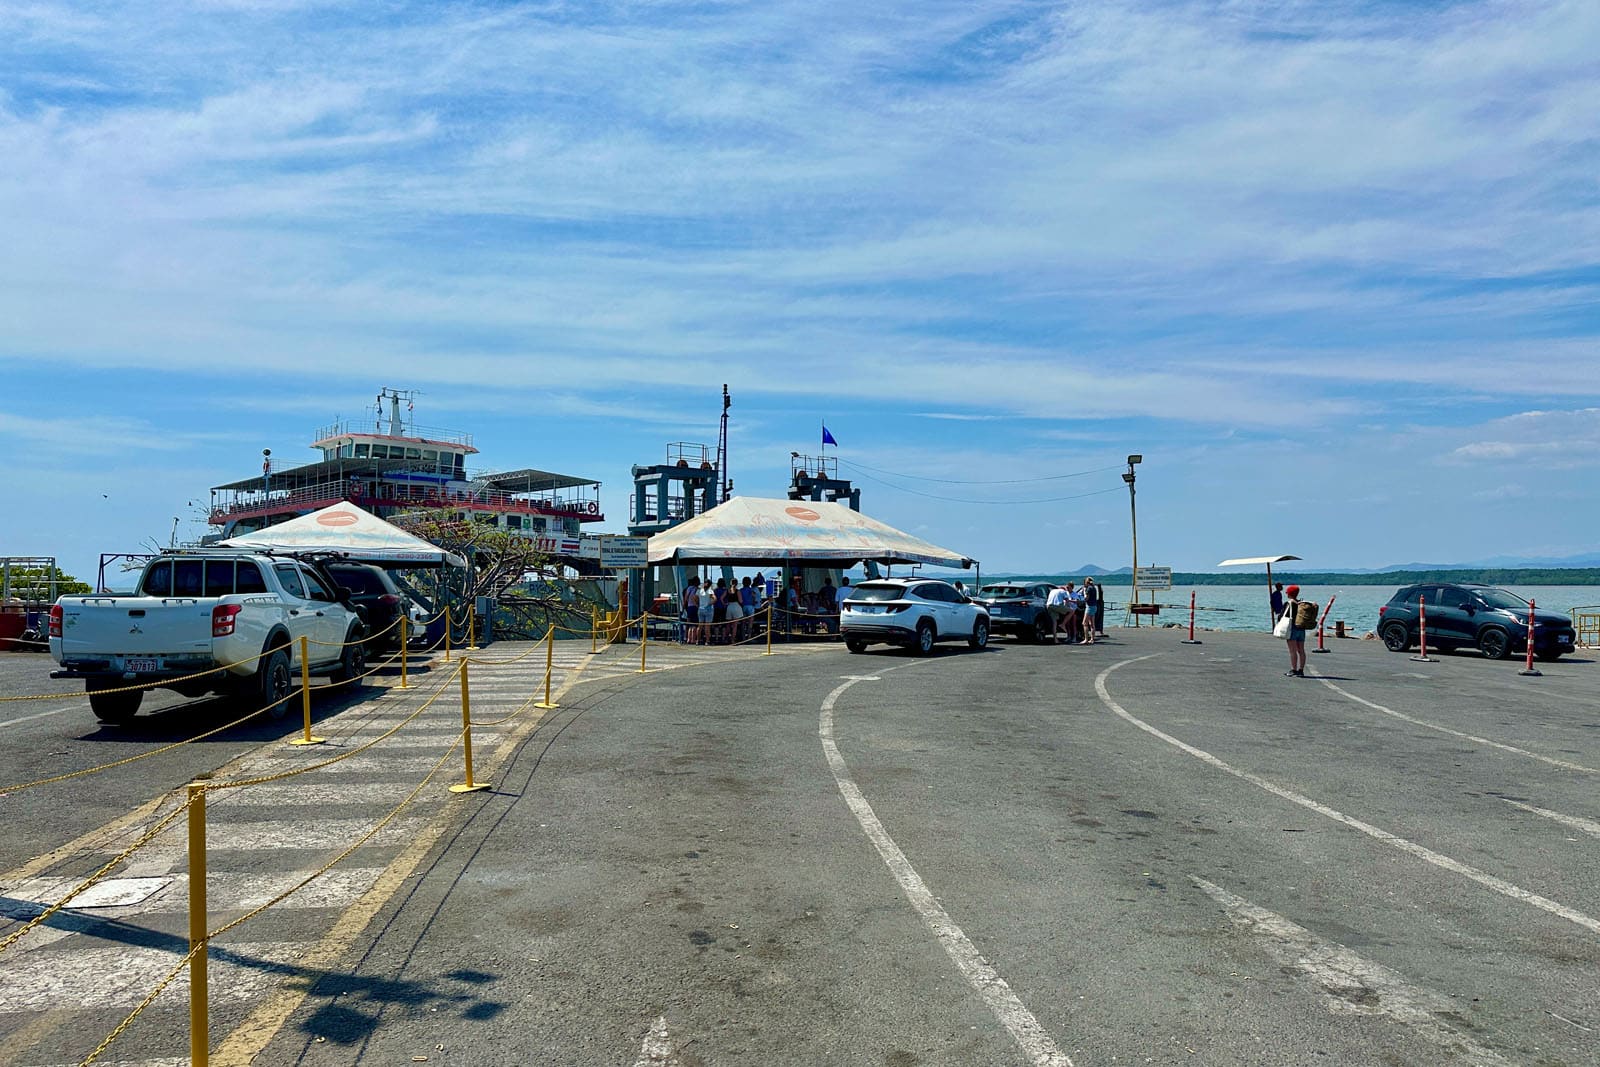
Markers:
point(827, 438)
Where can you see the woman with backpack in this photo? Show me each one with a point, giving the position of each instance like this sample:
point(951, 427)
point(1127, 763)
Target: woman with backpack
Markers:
point(1298, 617)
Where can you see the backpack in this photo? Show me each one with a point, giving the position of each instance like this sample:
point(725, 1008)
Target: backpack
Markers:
point(1305, 614)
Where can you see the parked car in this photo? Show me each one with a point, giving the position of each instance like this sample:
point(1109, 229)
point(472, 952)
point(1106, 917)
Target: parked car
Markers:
point(1019, 610)
point(1491, 620)
point(374, 593)
point(914, 612)
point(196, 611)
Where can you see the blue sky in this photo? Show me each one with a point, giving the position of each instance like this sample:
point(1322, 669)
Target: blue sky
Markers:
point(1332, 268)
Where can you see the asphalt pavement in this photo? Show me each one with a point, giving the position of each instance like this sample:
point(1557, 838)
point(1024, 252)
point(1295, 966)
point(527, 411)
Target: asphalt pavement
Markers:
point(1133, 852)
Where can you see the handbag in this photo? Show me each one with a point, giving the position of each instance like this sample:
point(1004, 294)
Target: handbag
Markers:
point(1283, 626)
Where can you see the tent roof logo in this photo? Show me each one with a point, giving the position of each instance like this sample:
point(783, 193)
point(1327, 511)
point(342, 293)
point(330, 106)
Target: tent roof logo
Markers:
point(803, 514)
point(337, 518)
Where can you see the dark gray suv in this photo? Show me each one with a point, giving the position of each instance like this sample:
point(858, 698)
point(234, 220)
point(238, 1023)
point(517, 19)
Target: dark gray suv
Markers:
point(1491, 620)
point(1018, 609)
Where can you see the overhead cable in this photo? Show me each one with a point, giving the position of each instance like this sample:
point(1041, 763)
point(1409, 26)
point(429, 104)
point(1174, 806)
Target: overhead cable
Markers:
point(981, 481)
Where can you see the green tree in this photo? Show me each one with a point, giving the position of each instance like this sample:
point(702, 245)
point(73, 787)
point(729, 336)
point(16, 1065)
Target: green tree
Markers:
point(41, 585)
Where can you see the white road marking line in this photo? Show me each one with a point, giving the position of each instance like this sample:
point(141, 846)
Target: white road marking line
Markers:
point(1565, 765)
point(656, 1050)
point(1352, 984)
point(1588, 826)
point(1040, 1049)
point(1488, 881)
point(43, 714)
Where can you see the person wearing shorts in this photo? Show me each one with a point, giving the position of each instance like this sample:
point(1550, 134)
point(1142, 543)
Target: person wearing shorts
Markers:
point(1091, 610)
point(1297, 636)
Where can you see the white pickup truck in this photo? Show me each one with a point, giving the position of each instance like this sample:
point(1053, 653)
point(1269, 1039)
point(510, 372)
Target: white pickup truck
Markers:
point(197, 610)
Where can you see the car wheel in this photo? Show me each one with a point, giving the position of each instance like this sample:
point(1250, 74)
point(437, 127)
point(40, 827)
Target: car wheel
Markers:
point(353, 663)
point(273, 684)
point(925, 637)
point(116, 708)
point(980, 634)
point(1395, 638)
point(1042, 630)
point(855, 644)
point(1494, 643)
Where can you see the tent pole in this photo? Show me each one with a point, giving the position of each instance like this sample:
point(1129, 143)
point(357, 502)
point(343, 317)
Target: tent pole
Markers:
point(1271, 622)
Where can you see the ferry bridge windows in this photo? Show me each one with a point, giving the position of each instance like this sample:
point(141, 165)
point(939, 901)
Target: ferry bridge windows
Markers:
point(362, 451)
point(513, 522)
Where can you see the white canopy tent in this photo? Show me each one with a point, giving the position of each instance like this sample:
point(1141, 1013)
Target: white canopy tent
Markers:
point(1256, 561)
point(752, 531)
point(351, 532)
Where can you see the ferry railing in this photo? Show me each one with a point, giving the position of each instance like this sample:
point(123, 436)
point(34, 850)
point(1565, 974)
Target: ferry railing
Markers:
point(359, 492)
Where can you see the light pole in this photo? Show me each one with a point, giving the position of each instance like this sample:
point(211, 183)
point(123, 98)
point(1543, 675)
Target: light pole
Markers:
point(1133, 511)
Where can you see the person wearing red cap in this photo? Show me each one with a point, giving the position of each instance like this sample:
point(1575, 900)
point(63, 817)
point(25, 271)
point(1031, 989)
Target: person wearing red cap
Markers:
point(1297, 636)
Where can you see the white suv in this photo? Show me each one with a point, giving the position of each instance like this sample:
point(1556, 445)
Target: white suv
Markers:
point(916, 612)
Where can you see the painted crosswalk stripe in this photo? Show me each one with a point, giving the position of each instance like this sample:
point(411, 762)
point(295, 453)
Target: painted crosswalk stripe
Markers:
point(121, 976)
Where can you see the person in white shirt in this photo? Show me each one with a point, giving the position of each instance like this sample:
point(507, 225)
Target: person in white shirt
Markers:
point(1058, 606)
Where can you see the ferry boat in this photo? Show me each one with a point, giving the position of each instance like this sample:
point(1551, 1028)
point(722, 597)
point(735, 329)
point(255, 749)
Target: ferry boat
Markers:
point(391, 466)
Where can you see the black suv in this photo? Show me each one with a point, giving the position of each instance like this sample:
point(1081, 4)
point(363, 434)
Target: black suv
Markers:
point(1491, 620)
point(375, 596)
point(1018, 609)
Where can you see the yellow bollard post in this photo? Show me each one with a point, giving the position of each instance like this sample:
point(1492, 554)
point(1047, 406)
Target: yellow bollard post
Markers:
point(472, 628)
point(469, 786)
point(199, 994)
point(549, 665)
point(644, 641)
point(305, 695)
point(594, 632)
point(404, 641)
point(769, 651)
point(447, 633)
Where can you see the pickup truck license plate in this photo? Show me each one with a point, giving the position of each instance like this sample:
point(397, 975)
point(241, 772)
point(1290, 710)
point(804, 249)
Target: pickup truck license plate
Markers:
point(141, 665)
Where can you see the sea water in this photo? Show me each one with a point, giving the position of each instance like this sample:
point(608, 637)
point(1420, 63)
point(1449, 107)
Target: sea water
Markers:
point(1246, 607)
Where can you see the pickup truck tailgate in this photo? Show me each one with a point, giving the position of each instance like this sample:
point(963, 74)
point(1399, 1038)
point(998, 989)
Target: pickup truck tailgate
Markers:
point(135, 626)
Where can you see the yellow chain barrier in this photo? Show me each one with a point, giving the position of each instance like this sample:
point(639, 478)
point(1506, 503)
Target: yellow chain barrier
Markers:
point(308, 768)
point(362, 640)
point(143, 1004)
point(143, 839)
point(150, 685)
point(153, 752)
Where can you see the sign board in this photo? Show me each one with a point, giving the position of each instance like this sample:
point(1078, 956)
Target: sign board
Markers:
point(1153, 578)
point(622, 552)
point(616, 552)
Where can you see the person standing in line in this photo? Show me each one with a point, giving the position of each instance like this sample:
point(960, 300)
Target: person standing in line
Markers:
point(1057, 605)
point(1091, 610)
point(1277, 602)
point(691, 611)
point(828, 605)
point(747, 604)
point(719, 612)
point(734, 614)
point(1297, 633)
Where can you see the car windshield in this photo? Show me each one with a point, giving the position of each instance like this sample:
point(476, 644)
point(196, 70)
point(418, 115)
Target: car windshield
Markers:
point(998, 591)
point(1501, 598)
point(879, 592)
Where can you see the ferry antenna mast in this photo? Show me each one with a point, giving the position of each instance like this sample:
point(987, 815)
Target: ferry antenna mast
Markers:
point(722, 447)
